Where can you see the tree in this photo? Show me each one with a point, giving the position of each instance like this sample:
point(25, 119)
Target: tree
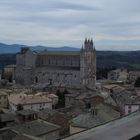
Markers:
point(61, 99)
point(137, 83)
point(19, 107)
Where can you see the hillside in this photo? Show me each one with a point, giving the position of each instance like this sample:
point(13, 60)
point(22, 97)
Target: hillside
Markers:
point(119, 59)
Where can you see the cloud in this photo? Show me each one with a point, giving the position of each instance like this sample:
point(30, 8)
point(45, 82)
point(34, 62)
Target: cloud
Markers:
point(73, 6)
point(64, 22)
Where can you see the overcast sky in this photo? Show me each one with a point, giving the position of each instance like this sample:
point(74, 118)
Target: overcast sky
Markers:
point(113, 24)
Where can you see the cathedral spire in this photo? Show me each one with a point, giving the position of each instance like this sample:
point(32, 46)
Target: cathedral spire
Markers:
point(88, 41)
point(88, 64)
point(85, 41)
point(91, 42)
point(82, 48)
point(94, 48)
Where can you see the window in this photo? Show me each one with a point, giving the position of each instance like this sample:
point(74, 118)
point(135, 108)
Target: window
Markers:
point(4, 97)
point(129, 107)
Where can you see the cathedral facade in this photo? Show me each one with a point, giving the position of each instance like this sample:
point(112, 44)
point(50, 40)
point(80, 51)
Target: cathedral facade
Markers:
point(64, 69)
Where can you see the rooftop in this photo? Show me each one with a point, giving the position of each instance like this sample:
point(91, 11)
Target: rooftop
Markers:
point(110, 86)
point(28, 99)
point(7, 111)
point(82, 94)
point(8, 91)
point(35, 128)
point(48, 113)
point(3, 93)
point(44, 114)
point(26, 112)
point(125, 96)
point(73, 95)
point(119, 129)
point(6, 134)
point(88, 120)
point(7, 117)
point(87, 96)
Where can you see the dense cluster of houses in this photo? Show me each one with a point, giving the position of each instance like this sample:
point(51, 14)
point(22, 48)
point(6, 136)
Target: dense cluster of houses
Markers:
point(31, 115)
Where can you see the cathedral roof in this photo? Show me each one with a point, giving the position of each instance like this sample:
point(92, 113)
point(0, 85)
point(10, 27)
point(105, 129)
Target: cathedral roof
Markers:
point(59, 53)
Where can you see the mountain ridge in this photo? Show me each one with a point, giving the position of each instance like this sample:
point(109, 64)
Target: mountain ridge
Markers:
point(14, 48)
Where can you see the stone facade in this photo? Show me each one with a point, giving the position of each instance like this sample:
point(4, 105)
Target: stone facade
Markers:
point(29, 102)
point(64, 69)
point(9, 72)
point(3, 100)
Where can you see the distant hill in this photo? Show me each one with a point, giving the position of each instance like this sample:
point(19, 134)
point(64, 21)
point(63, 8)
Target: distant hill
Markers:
point(14, 48)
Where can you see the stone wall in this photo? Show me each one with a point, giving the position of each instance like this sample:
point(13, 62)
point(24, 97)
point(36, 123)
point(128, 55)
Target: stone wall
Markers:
point(57, 77)
point(24, 75)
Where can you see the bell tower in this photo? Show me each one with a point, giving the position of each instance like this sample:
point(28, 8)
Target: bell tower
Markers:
point(88, 64)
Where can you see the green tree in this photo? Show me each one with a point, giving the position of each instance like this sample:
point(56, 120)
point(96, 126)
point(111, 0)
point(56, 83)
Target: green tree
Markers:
point(61, 99)
point(137, 83)
point(19, 107)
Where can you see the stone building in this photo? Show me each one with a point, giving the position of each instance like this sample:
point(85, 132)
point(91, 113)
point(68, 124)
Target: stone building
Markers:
point(7, 134)
point(38, 128)
point(96, 116)
point(31, 102)
point(3, 100)
point(119, 75)
point(9, 72)
point(60, 69)
point(56, 117)
point(124, 128)
point(86, 99)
